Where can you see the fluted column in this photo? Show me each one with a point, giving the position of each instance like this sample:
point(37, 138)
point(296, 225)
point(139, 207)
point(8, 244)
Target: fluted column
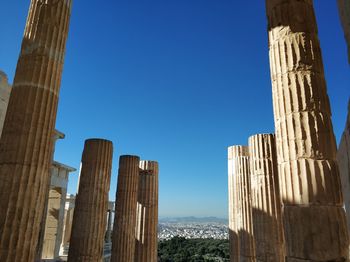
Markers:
point(91, 204)
point(147, 213)
point(232, 206)
point(313, 217)
point(266, 201)
point(26, 141)
point(244, 226)
point(123, 243)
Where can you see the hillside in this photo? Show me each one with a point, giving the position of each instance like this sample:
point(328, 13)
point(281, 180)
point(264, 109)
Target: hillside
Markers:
point(180, 249)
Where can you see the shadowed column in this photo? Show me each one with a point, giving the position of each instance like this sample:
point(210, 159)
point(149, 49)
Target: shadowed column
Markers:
point(91, 204)
point(244, 226)
point(123, 243)
point(233, 206)
point(343, 157)
point(266, 201)
point(313, 215)
point(147, 213)
point(26, 142)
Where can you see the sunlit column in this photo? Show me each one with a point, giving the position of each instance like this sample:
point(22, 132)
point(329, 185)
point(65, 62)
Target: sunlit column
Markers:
point(91, 204)
point(313, 215)
point(26, 143)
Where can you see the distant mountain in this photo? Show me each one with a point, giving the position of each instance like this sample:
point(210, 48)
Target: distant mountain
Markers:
point(192, 219)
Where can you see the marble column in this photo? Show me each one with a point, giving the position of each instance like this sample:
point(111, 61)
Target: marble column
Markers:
point(266, 201)
point(233, 206)
point(147, 213)
point(40, 246)
point(243, 216)
point(313, 216)
point(123, 243)
point(26, 141)
point(91, 204)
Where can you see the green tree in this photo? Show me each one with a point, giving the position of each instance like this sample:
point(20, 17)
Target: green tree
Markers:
point(179, 249)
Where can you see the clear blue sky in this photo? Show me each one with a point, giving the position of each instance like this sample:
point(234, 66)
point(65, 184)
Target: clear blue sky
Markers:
point(172, 81)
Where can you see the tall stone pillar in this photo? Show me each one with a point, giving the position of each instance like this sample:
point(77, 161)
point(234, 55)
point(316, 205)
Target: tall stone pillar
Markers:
point(68, 221)
point(123, 240)
point(91, 204)
point(344, 11)
point(244, 224)
point(108, 238)
point(147, 213)
point(233, 206)
point(343, 157)
point(52, 182)
point(266, 201)
point(313, 217)
point(26, 141)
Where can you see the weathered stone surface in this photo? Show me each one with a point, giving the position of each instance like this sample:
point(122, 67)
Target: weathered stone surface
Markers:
point(343, 157)
point(266, 202)
point(233, 205)
point(243, 209)
point(5, 92)
point(147, 213)
point(26, 141)
point(123, 240)
point(56, 136)
point(91, 204)
point(344, 11)
point(55, 211)
point(308, 173)
point(322, 223)
point(53, 225)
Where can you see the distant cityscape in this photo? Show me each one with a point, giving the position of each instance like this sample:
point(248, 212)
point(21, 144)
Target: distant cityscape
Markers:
point(192, 227)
